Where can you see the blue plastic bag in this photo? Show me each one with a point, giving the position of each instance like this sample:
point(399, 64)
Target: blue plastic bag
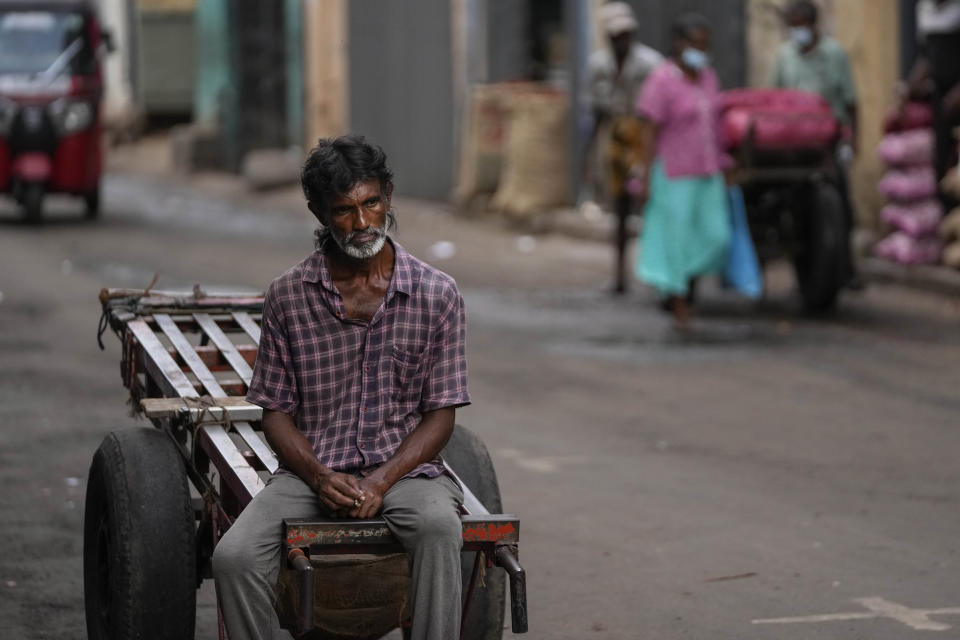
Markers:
point(742, 270)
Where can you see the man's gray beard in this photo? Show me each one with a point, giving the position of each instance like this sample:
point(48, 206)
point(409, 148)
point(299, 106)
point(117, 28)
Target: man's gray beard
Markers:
point(365, 251)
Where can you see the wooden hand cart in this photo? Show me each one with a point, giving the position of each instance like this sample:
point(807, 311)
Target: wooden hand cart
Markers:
point(159, 499)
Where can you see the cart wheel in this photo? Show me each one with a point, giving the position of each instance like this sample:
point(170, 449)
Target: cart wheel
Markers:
point(469, 458)
point(91, 201)
point(819, 268)
point(32, 201)
point(139, 560)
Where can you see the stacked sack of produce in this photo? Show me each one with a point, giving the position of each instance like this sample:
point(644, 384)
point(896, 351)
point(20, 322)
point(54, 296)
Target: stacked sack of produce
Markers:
point(950, 227)
point(910, 188)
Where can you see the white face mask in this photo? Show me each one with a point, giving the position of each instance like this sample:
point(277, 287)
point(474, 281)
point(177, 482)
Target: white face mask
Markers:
point(695, 59)
point(801, 36)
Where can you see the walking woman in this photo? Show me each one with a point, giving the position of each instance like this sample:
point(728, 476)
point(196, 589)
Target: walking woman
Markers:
point(686, 229)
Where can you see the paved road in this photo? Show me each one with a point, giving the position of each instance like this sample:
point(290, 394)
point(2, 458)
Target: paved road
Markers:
point(768, 467)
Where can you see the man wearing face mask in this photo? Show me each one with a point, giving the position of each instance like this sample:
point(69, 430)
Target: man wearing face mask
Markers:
point(813, 61)
point(616, 74)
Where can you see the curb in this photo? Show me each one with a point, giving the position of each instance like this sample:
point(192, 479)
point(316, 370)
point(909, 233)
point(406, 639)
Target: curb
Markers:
point(942, 280)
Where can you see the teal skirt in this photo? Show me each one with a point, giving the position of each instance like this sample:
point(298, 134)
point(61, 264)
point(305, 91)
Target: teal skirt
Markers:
point(686, 231)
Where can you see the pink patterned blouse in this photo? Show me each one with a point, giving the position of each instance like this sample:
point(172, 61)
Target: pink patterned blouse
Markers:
point(687, 114)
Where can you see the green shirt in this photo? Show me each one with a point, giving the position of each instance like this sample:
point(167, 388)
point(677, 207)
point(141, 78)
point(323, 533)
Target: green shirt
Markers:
point(825, 69)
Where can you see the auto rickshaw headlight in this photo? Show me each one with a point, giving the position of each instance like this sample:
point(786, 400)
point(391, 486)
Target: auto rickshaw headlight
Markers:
point(71, 116)
point(8, 111)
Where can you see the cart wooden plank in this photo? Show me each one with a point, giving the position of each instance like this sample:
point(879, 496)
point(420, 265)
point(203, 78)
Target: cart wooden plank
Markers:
point(244, 429)
point(160, 365)
point(185, 349)
point(246, 322)
point(237, 408)
point(471, 503)
point(233, 467)
point(225, 345)
point(325, 535)
point(262, 451)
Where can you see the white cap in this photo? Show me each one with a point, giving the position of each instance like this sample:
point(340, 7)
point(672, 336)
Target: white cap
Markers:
point(617, 18)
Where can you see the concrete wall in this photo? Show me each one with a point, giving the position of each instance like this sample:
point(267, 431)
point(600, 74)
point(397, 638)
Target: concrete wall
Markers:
point(869, 29)
point(214, 85)
point(506, 40)
point(729, 32)
point(121, 68)
point(325, 50)
point(401, 88)
point(168, 61)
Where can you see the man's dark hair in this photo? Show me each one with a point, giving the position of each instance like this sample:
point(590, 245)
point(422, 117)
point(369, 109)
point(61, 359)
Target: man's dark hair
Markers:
point(335, 165)
point(806, 10)
point(685, 24)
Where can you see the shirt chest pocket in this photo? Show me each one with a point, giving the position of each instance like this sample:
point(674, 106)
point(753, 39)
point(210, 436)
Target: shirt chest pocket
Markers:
point(408, 370)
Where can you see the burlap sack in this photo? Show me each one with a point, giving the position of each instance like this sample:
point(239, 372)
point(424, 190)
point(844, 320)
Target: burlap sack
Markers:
point(358, 597)
point(950, 184)
point(535, 173)
point(950, 226)
point(484, 138)
point(951, 255)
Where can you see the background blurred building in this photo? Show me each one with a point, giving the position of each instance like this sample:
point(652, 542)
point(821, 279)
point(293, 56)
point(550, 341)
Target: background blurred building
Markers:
point(277, 75)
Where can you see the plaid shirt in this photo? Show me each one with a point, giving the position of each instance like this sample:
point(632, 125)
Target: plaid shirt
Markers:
point(356, 390)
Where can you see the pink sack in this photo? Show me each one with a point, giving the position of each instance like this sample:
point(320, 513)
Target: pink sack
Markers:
point(790, 99)
point(915, 219)
point(899, 247)
point(907, 148)
point(913, 115)
point(909, 185)
point(777, 119)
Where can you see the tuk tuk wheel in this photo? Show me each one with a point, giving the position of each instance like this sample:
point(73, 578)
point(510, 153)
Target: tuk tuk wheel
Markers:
point(32, 201)
point(91, 201)
point(139, 558)
point(819, 267)
point(469, 458)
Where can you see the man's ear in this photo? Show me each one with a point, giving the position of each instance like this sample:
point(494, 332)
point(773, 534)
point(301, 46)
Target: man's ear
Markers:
point(388, 193)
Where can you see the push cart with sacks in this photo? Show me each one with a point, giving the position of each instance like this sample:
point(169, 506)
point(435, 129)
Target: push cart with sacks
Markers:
point(786, 145)
point(159, 498)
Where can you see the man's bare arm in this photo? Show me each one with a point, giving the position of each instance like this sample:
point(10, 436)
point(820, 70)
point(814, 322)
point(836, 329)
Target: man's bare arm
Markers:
point(335, 490)
point(422, 445)
point(648, 142)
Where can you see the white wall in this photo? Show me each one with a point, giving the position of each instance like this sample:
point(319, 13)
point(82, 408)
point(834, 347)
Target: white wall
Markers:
point(120, 102)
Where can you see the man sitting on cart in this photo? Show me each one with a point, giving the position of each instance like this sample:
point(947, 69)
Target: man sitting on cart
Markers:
point(360, 369)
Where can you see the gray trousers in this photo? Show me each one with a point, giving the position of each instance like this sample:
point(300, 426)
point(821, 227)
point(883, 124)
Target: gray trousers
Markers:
point(421, 512)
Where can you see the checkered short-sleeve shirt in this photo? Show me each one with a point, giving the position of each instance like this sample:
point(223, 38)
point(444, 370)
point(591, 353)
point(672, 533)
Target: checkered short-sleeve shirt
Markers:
point(356, 390)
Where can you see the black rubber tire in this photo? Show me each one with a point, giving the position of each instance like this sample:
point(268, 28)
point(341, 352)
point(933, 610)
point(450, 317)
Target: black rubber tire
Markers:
point(820, 267)
point(139, 555)
point(32, 201)
point(91, 203)
point(469, 458)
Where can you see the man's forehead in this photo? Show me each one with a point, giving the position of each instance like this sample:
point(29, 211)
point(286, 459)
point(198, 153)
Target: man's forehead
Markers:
point(361, 190)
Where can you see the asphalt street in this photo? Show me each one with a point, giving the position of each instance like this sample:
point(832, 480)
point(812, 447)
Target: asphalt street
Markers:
point(769, 476)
